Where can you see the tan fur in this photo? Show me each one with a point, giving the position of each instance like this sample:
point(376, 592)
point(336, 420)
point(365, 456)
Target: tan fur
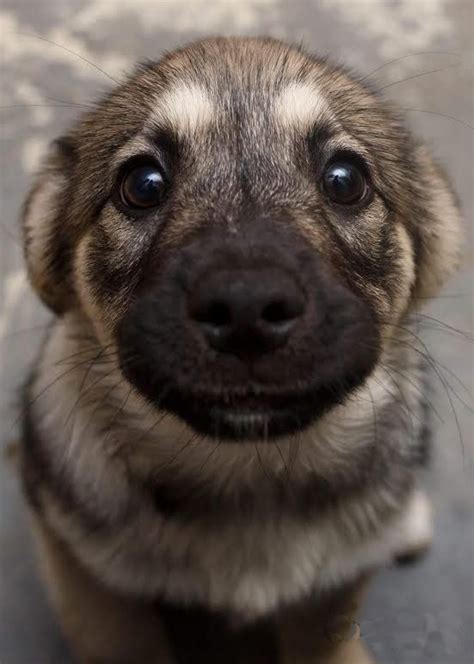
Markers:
point(41, 211)
point(301, 106)
point(186, 107)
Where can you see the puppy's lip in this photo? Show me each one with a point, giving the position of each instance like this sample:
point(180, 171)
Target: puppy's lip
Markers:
point(244, 417)
point(246, 402)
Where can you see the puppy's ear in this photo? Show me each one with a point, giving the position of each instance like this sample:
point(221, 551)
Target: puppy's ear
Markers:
point(438, 226)
point(47, 241)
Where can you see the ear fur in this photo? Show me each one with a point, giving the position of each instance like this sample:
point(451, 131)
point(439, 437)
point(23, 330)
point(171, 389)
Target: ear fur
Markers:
point(438, 226)
point(47, 243)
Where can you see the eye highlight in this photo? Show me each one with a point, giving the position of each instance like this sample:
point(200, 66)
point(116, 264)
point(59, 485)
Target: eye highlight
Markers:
point(142, 186)
point(345, 182)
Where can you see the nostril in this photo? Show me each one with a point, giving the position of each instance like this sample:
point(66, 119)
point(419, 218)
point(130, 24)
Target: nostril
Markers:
point(277, 311)
point(281, 311)
point(216, 313)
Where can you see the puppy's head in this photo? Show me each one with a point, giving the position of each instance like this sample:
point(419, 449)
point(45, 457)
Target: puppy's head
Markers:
point(245, 224)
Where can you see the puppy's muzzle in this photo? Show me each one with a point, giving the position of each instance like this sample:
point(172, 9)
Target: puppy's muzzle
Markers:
point(246, 336)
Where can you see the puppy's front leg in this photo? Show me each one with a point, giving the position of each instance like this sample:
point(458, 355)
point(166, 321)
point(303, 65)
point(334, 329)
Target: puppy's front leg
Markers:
point(102, 627)
point(416, 529)
point(325, 632)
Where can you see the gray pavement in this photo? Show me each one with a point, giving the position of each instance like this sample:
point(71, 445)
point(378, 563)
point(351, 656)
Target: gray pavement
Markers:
point(417, 615)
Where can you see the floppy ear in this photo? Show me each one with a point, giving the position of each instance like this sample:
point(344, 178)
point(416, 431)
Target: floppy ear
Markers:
point(47, 243)
point(438, 227)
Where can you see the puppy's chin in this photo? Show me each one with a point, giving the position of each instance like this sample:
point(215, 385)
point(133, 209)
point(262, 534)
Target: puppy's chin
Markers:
point(240, 419)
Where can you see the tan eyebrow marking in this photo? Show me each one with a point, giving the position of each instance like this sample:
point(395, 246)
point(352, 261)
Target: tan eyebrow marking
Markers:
point(301, 105)
point(186, 108)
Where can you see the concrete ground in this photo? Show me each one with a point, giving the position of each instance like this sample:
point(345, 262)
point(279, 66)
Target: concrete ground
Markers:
point(418, 615)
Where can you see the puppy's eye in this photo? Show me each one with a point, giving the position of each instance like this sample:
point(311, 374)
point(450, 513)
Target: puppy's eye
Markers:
point(142, 186)
point(345, 183)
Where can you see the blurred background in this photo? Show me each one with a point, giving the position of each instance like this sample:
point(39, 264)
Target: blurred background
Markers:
point(57, 55)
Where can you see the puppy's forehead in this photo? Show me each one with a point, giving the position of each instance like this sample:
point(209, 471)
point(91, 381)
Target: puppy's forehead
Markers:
point(190, 106)
point(256, 84)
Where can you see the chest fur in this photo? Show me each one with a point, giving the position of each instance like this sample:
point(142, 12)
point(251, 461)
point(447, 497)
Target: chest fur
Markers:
point(254, 526)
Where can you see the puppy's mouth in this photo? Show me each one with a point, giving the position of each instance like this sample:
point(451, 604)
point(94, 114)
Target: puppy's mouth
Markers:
point(250, 416)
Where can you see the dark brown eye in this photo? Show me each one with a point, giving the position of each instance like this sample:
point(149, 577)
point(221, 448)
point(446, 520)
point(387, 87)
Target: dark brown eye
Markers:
point(345, 183)
point(142, 186)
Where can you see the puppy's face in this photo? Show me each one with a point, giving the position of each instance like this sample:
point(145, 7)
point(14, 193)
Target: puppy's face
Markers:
point(245, 225)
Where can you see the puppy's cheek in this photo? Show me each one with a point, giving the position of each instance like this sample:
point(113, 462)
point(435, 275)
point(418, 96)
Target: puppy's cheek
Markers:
point(349, 246)
point(394, 301)
point(392, 298)
point(90, 302)
point(105, 282)
point(404, 273)
point(316, 234)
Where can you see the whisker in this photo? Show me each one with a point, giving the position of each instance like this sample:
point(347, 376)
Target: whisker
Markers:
point(442, 115)
point(260, 462)
point(31, 402)
point(82, 393)
point(427, 355)
point(432, 327)
point(294, 451)
point(417, 388)
point(170, 461)
point(14, 239)
point(363, 109)
point(402, 400)
point(93, 347)
point(61, 375)
point(25, 330)
point(405, 57)
point(100, 403)
point(374, 411)
point(68, 102)
point(162, 415)
point(460, 383)
point(415, 76)
point(444, 296)
point(103, 361)
point(68, 50)
point(461, 333)
point(69, 106)
point(285, 467)
point(119, 410)
point(211, 453)
point(433, 362)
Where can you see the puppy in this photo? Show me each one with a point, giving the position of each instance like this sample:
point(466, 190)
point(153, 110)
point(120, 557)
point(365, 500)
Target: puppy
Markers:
point(223, 431)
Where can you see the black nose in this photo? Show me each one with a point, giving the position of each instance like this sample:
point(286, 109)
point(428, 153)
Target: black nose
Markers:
point(247, 312)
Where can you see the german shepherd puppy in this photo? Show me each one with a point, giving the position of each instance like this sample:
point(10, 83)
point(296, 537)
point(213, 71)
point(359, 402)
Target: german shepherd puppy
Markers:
point(223, 431)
